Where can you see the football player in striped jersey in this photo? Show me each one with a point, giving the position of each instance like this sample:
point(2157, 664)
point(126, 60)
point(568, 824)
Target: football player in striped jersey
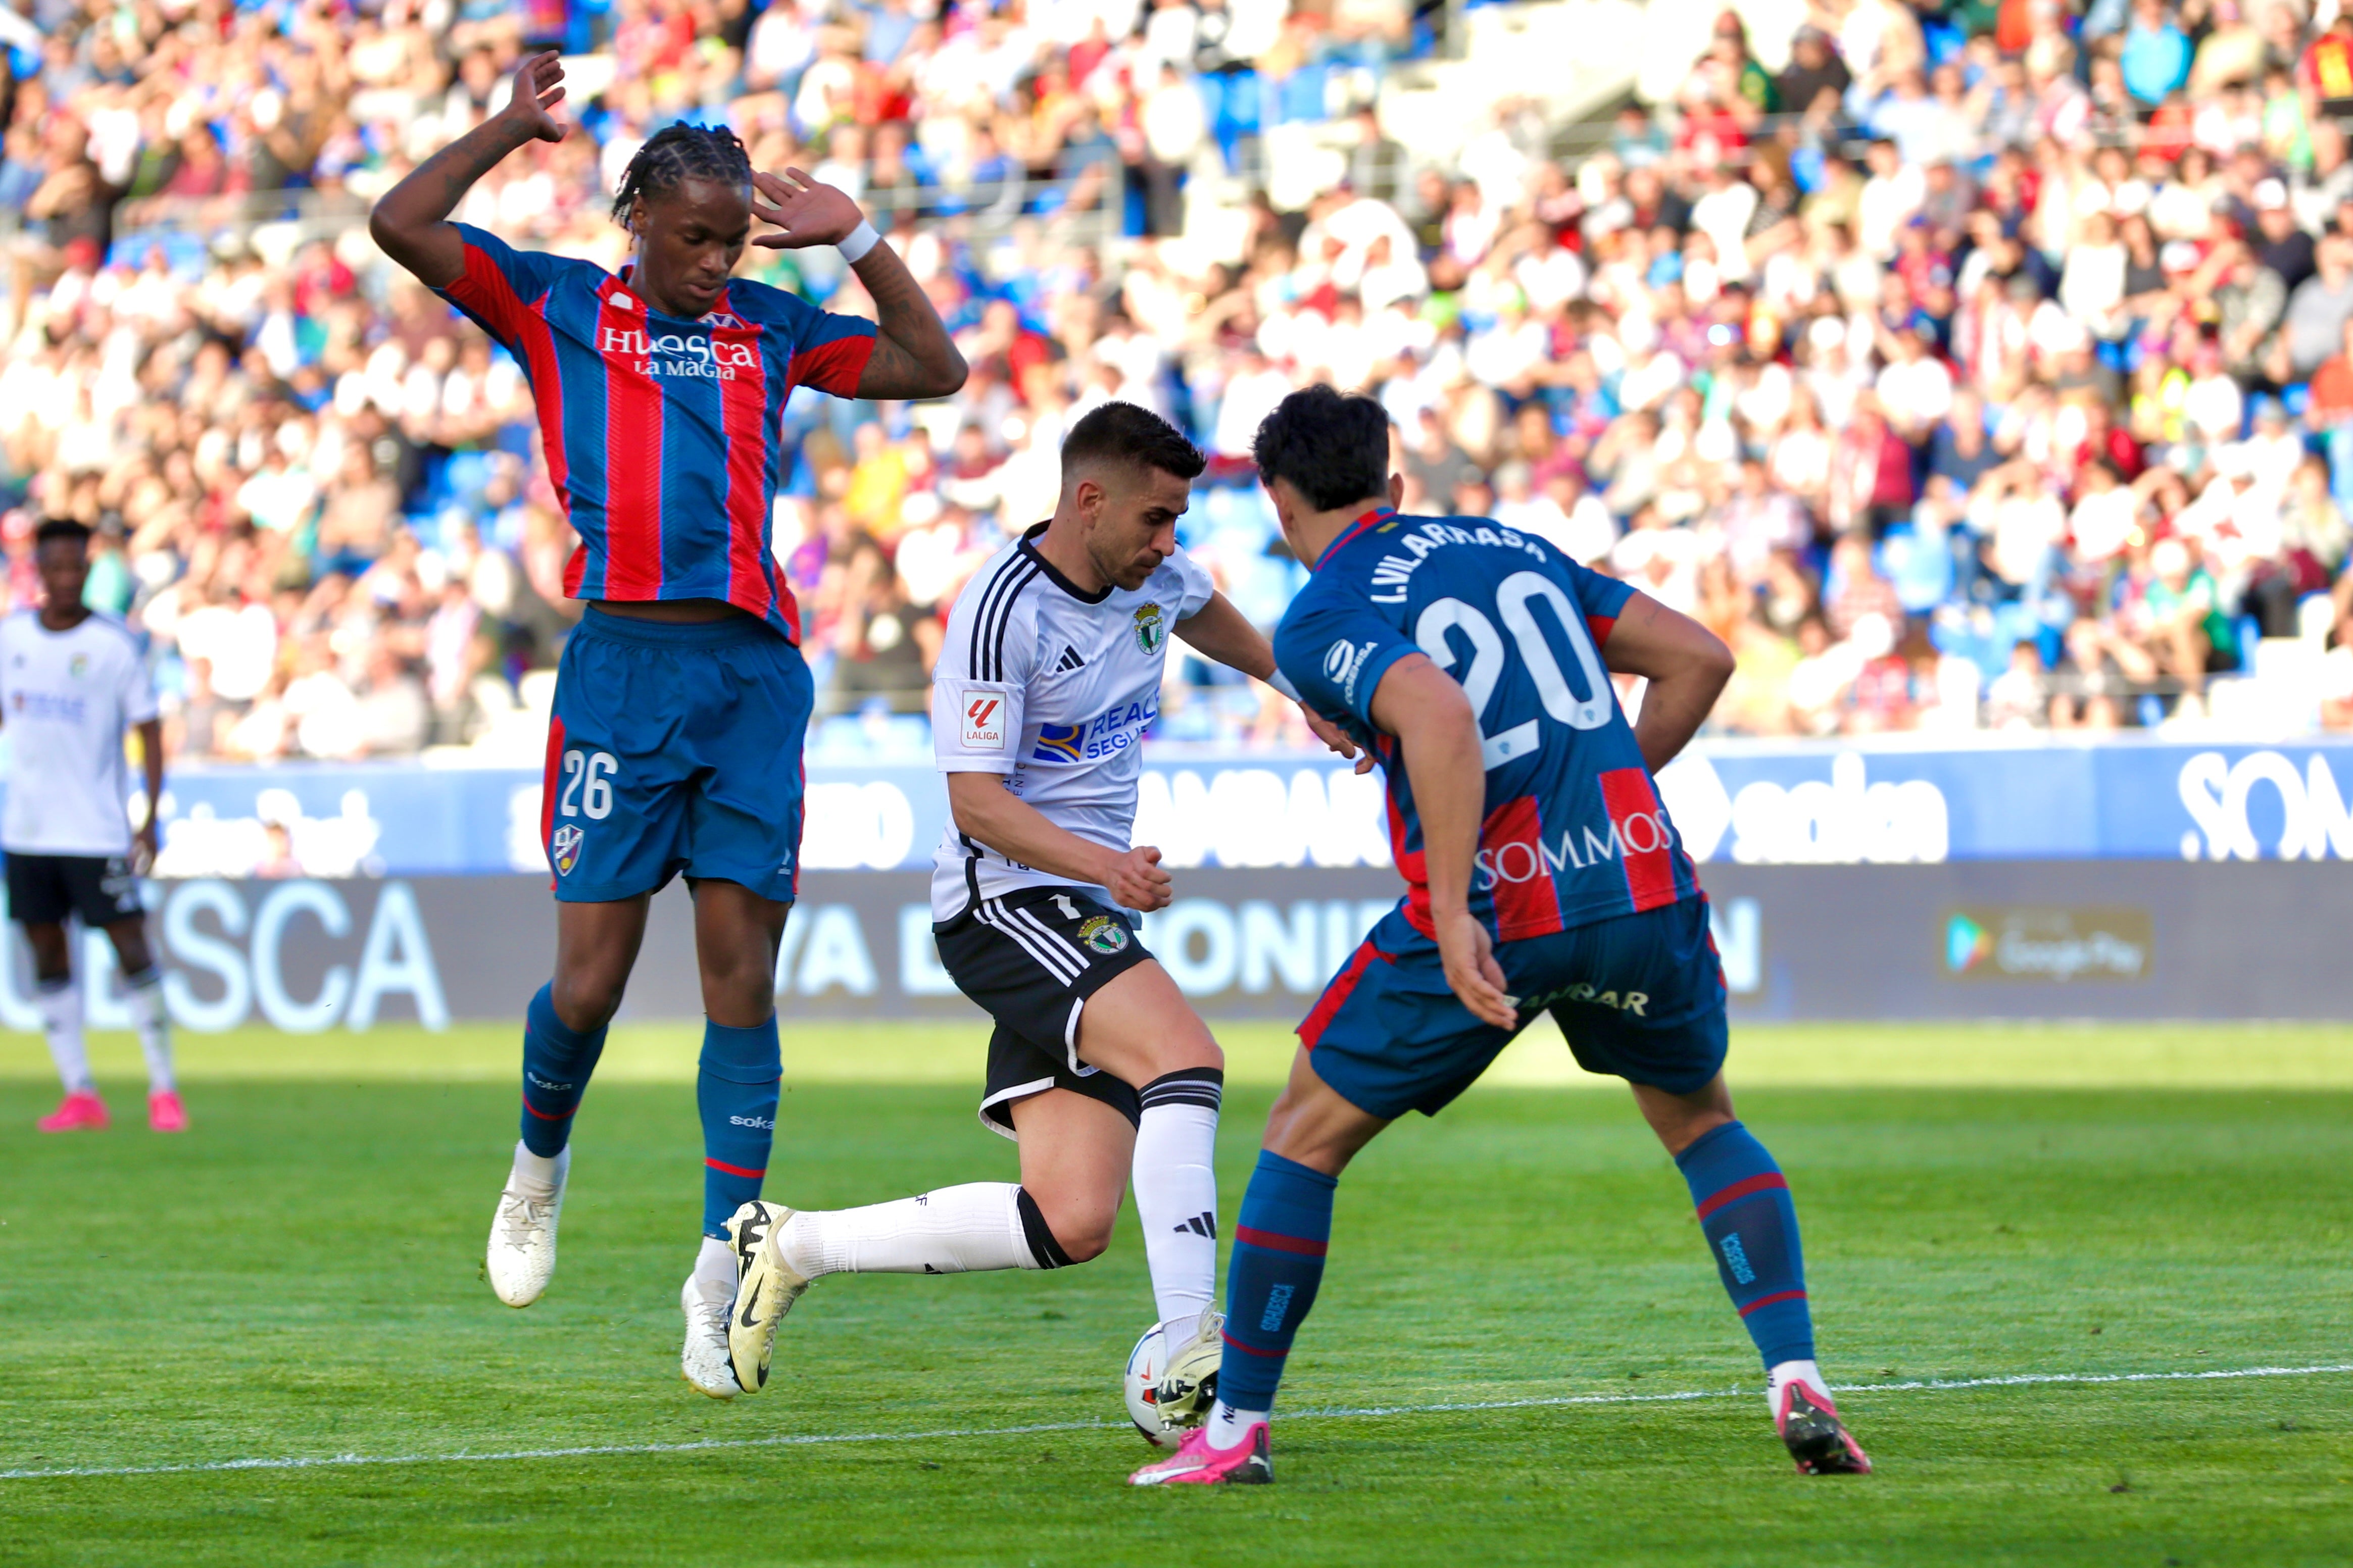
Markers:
point(682, 700)
point(1543, 874)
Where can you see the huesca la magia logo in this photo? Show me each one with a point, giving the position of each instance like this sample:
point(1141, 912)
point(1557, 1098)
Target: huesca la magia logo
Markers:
point(564, 848)
point(1151, 632)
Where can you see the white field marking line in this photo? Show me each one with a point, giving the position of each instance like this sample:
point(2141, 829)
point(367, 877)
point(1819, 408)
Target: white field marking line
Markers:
point(1340, 1413)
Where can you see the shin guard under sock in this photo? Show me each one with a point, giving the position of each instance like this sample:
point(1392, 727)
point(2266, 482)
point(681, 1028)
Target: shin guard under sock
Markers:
point(1176, 1190)
point(736, 1091)
point(557, 1060)
point(1752, 1229)
point(144, 993)
point(1280, 1239)
point(967, 1229)
point(60, 1001)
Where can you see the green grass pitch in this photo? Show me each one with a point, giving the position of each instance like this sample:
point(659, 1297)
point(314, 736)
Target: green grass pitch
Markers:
point(296, 1280)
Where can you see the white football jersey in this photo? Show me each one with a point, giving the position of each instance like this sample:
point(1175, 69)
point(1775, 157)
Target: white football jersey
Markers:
point(1052, 688)
point(66, 697)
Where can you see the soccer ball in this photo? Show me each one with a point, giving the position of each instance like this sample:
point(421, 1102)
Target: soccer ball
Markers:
point(1145, 1364)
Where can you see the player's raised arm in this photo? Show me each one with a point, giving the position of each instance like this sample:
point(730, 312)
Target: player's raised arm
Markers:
point(1223, 633)
point(411, 223)
point(1423, 707)
point(914, 355)
point(1685, 664)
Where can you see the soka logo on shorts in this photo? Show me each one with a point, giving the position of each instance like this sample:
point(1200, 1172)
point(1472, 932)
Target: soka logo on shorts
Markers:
point(983, 720)
point(564, 848)
point(1103, 934)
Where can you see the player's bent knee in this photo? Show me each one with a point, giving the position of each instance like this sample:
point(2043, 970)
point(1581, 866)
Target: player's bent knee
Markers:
point(1082, 1228)
point(587, 1002)
point(1086, 1246)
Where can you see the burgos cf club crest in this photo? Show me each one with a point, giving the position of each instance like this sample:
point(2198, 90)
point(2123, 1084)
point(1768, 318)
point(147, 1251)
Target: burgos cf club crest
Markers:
point(564, 848)
point(1151, 631)
point(1103, 933)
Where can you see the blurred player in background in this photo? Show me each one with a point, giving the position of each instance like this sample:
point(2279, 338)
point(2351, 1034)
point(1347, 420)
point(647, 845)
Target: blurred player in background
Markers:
point(72, 682)
point(681, 701)
point(1543, 874)
point(1047, 678)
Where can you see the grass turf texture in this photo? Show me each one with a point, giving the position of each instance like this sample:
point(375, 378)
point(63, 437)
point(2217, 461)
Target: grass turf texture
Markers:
point(298, 1279)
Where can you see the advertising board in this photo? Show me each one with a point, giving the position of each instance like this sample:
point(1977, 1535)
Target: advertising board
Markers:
point(1733, 804)
point(2021, 939)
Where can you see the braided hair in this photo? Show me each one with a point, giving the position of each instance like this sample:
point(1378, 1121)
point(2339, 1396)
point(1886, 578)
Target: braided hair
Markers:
point(680, 153)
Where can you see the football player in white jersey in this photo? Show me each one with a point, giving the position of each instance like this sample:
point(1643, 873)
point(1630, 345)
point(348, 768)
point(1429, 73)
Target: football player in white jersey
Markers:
point(1049, 676)
point(71, 681)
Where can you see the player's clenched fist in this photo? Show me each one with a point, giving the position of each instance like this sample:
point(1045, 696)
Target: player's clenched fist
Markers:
point(1136, 880)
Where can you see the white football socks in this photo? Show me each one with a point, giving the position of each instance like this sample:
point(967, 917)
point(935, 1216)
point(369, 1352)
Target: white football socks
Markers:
point(1787, 1372)
point(955, 1230)
point(714, 1270)
point(59, 1002)
point(1176, 1195)
point(144, 991)
point(1229, 1425)
point(540, 1173)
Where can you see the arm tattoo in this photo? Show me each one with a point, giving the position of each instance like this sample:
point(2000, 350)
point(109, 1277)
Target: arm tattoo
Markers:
point(891, 371)
point(457, 166)
point(410, 220)
point(913, 356)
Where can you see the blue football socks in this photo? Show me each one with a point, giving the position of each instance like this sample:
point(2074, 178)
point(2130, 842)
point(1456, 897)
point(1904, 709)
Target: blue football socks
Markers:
point(1752, 1228)
point(1284, 1229)
point(735, 1090)
point(556, 1063)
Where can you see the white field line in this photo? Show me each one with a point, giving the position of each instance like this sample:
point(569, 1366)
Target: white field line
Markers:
point(1339, 1413)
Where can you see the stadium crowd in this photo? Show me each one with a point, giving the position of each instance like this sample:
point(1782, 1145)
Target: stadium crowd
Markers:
point(1982, 366)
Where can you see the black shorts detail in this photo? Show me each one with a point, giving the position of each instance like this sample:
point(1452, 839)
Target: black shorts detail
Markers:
point(44, 888)
point(1032, 959)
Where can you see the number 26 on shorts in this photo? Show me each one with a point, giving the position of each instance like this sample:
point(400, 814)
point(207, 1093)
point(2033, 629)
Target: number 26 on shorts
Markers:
point(588, 784)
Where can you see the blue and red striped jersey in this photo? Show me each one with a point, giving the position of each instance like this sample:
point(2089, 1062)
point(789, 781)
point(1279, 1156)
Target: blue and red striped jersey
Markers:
point(1574, 831)
point(661, 433)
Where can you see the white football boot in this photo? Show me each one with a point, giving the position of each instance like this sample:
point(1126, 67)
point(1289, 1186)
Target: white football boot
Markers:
point(521, 1259)
point(1188, 1390)
point(703, 1362)
point(767, 1287)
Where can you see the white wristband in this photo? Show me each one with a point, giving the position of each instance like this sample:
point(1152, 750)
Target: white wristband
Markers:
point(1282, 683)
point(854, 244)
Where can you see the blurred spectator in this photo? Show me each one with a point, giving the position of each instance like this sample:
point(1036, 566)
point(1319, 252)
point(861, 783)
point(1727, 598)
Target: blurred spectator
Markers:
point(1971, 357)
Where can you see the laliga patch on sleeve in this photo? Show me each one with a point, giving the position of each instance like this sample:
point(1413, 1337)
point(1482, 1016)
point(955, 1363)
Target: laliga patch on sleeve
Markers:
point(983, 720)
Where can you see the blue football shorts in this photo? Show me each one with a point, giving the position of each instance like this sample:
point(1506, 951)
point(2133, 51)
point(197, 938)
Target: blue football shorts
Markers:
point(675, 748)
point(1640, 997)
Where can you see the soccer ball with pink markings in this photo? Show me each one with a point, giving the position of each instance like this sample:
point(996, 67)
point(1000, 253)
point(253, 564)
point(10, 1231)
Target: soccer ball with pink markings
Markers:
point(1145, 1364)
